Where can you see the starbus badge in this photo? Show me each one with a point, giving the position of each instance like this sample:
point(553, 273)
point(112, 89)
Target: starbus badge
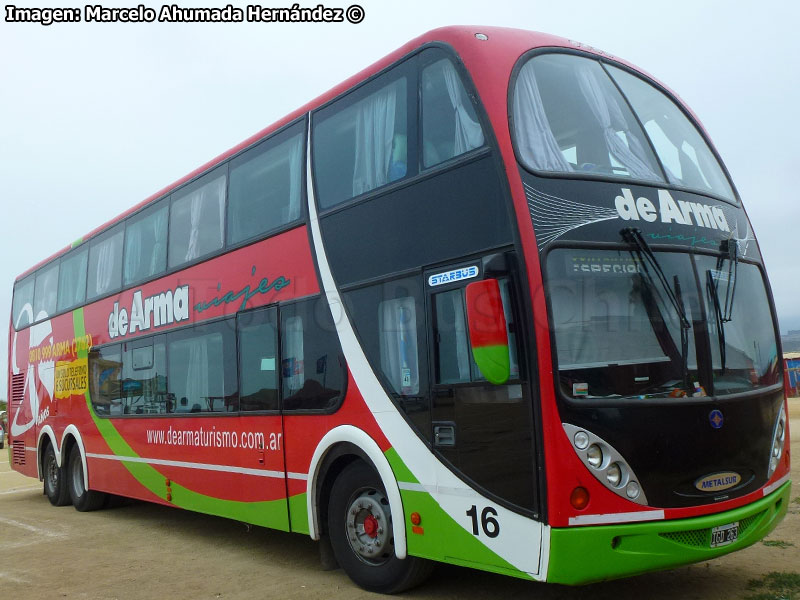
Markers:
point(716, 419)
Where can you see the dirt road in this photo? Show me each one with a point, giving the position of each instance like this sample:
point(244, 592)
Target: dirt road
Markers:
point(147, 551)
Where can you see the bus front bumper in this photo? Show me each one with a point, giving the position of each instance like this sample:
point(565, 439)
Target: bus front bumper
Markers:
point(585, 554)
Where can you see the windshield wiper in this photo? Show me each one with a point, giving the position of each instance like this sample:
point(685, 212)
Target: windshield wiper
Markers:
point(729, 250)
point(718, 316)
point(634, 237)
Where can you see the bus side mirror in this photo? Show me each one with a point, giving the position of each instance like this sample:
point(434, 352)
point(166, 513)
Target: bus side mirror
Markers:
point(488, 333)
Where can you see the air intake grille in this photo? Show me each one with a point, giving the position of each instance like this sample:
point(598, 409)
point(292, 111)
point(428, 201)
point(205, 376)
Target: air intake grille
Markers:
point(18, 452)
point(17, 388)
point(701, 538)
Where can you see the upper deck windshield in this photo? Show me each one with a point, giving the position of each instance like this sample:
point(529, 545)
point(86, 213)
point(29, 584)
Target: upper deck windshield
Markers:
point(574, 114)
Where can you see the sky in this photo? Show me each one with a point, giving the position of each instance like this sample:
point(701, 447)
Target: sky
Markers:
point(95, 117)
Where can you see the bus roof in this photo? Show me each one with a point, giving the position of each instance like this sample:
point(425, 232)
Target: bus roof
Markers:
point(507, 45)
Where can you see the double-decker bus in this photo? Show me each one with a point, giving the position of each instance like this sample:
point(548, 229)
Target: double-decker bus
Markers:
point(494, 301)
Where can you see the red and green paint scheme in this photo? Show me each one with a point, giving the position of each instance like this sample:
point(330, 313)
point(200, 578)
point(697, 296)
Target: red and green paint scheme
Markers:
point(268, 469)
point(487, 330)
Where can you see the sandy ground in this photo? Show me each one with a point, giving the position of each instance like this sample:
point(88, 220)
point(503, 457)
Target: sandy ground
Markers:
point(147, 551)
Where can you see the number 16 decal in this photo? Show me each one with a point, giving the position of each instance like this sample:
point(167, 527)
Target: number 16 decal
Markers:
point(490, 526)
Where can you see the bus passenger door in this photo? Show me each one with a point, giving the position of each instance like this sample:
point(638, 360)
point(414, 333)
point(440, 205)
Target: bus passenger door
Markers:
point(261, 429)
point(483, 430)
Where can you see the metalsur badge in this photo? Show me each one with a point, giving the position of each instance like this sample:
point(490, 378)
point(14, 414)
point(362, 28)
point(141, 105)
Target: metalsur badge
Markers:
point(716, 482)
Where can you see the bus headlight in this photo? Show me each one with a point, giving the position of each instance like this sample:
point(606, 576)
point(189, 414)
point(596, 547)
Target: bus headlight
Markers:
point(607, 465)
point(594, 456)
point(778, 439)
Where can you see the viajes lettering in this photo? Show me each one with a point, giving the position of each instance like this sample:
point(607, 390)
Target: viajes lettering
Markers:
point(154, 311)
point(670, 211)
point(245, 293)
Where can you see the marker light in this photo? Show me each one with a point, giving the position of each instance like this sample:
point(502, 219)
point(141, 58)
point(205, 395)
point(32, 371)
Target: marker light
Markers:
point(579, 498)
point(416, 519)
point(581, 440)
point(594, 456)
point(632, 490)
point(614, 474)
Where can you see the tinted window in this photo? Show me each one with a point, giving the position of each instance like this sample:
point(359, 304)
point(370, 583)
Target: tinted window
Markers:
point(684, 153)
point(361, 144)
point(313, 369)
point(23, 302)
point(146, 244)
point(449, 124)
point(44, 301)
point(197, 218)
point(390, 320)
point(258, 360)
point(570, 117)
point(202, 377)
point(105, 263)
point(72, 279)
point(744, 348)
point(144, 378)
point(265, 190)
point(105, 379)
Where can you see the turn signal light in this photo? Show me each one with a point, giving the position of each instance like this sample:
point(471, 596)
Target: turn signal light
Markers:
point(416, 519)
point(579, 498)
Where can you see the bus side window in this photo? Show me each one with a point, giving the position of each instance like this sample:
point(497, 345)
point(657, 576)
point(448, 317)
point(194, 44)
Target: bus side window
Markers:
point(72, 279)
point(105, 380)
point(146, 244)
point(144, 377)
point(266, 186)
point(450, 126)
point(44, 300)
point(313, 369)
point(105, 263)
point(200, 378)
point(23, 302)
point(197, 218)
point(362, 145)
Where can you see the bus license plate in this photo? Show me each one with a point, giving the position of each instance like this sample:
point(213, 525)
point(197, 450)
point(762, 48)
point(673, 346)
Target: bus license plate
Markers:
point(724, 534)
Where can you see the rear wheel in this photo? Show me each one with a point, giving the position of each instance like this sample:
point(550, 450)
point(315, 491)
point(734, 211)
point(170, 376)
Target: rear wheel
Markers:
point(82, 499)
point(360, 530)
point(55, 479)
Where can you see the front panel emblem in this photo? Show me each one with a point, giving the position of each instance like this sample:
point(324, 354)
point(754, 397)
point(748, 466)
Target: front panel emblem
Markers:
point(717, 482)
point(716, 419)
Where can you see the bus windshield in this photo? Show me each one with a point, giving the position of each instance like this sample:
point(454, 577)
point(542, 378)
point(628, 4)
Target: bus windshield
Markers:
point(573, 114)
point(617, 333)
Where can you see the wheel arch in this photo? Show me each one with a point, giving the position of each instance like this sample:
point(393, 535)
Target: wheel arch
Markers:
point(46, 436)
point(336, 449)
point(72, 437)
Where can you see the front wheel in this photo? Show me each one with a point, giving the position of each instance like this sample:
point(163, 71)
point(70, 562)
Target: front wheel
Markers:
point(55, 479)
point(82, 499)
point(360, 530)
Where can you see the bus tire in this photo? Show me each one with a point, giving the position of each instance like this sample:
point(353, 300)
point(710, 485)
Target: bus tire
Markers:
point(55, 479)
point(83, 500)
point(360, 530)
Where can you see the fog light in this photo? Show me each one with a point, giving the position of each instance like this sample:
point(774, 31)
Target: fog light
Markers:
point(594, 456)
point(579, 498)
point(581, 440)
point(614, 475)
point(632, 490)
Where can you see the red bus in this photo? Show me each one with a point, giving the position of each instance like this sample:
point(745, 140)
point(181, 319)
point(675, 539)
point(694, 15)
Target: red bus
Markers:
point(494, 301)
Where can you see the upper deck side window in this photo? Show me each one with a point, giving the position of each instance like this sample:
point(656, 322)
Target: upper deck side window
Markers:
point(197, 218)
point(450, 125)
point(105, 263)
point(574, 115)
point(22, 309)
point(46, 292)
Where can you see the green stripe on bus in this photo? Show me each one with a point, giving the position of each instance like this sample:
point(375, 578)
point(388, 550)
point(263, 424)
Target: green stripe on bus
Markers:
point(443, 539)
point(401, 471)
point(271, 513)
point(77, 243)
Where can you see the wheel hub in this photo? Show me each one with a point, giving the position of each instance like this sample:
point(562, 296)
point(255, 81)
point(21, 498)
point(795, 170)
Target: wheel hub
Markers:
point(369, 527)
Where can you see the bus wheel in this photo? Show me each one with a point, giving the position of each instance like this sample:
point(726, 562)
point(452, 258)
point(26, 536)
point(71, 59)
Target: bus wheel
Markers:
point(55, 479)
point(360, 530)
point(82, 499)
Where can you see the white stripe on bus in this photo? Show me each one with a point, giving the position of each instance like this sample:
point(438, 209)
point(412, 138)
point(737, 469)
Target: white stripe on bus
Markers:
point(629, 517)
point(774, 486)
point(200, 466)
